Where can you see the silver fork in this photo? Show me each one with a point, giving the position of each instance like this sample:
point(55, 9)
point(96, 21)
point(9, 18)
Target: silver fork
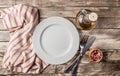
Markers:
point(82, 45)
point(86, 47)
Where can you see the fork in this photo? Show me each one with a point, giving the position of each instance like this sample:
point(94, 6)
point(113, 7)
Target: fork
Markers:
point(82, 44)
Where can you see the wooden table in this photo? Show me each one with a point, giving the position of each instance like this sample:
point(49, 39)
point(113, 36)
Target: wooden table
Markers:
point(107, 32)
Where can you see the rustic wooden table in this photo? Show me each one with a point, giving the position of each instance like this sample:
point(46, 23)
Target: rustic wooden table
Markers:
point(107, 32)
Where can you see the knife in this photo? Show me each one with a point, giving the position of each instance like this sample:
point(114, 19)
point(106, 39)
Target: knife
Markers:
point(88, 44)
point(86, 48)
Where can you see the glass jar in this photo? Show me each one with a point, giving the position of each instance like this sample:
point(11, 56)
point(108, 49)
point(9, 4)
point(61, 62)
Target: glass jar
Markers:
point(86, 19)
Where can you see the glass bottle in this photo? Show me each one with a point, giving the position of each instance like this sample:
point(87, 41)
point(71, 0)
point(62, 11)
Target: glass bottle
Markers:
point(86, 19)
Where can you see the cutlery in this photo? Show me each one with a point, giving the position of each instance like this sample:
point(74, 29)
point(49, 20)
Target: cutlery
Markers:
point(82, 44)
point(87, 46)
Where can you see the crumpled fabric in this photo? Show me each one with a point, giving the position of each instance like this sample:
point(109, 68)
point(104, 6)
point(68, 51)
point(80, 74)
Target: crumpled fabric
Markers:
point(20, 56)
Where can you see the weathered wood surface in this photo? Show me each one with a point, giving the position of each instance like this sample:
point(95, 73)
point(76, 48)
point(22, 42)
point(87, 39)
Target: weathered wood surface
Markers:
point(103, 23)
point(107, 32)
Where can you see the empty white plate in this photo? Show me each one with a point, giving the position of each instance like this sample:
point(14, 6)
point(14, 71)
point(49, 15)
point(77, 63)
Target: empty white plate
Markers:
point(55, 40)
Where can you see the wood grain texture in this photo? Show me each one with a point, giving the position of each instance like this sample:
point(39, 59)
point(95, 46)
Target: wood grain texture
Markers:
point(63, 8)
point(7, 3)
point(70, 8)
point(107, 33)
point(106, 66)
point(1, 25)
point(103, 23)
point(4, 36)
point(72, 11)
point(3, 46)
point(77, 3)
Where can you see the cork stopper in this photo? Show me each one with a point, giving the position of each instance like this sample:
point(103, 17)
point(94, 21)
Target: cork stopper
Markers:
point(93, 16)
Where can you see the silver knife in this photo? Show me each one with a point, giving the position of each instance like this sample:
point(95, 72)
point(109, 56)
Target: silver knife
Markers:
point(88, 44)
point(86, 48)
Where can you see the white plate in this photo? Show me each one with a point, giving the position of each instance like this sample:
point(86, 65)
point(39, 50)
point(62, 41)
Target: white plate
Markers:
point(55, 40)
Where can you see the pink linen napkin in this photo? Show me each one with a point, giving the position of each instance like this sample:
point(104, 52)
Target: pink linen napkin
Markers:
point(19, 56)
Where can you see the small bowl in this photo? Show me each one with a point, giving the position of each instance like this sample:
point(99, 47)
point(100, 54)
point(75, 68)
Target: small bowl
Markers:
point(95, 54)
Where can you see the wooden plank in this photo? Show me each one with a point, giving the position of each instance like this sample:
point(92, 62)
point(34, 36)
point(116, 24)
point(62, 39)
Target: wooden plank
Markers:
point(1, 25)
point(97, 73)
point(75, 3)
point(7, 3)
point(103, 22)
point(78, 3)
point(3, 46)
point(98, 67)
point(105, 33)
point(1, 60)
point(4, 36)
point(52, 9)
point(72, 11)
point(107, 44)
point(102, 3)
point(4, 72)
point(99, 43)
point(29, 2)
point(106, 38)
point(113, 56)
point(109, 22)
